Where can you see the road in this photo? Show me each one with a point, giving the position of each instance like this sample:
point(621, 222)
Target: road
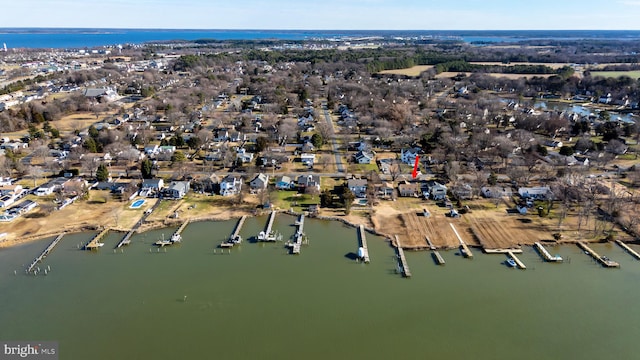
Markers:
point(334, 143)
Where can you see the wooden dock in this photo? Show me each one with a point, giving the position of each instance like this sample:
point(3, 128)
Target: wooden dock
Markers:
point(235, 237)
point(404, 266)
point(628, 249)
point(298, 236)
point(519, 263)
point(545, 254)
point(126, 240)
point(606, 262)
point(268, 234)
point(95, 242)
point(464, 249)
point(363, 244)
point(436, 255)
point(180, 229)
point(45, 252)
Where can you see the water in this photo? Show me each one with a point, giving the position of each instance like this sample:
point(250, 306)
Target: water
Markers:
point(82, 38)
point(260, 302)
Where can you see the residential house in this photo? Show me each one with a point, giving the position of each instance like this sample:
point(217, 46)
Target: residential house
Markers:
point(408, 156)
point(492, 192)
point(435, 190)
point(307, 147)
point(151, 150)
point(260, 182)
point(407, 189)
point(244, 156)
point(363, 157)
point(536, 193)
point(358, 187)
point(6, 200)
point(284, 183)
point(152, 184)
point(308, 159)
point(50, 187)
point(176, 189)
point(384, 190)
point(306, 181)
point(463, 191)
point(230, 185)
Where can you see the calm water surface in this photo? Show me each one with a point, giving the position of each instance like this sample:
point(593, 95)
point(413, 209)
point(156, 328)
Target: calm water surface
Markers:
point(261, 303)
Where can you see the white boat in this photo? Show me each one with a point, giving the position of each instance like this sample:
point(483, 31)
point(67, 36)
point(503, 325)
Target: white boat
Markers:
point(511, 263)
point(99, 244)
point(176, 238)
point(262, 236)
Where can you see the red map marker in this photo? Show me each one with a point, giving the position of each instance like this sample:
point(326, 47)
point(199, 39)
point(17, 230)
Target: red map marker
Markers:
point(414, 174)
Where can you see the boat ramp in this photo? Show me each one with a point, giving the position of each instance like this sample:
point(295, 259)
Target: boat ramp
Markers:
point(404, 266)
point(363, 249)
point(268, 234)
point(628, 249)
point(297, 237)
point(545, 254)
point(45, 252)
point(605, 261)
point(436, 255)
point(235, 237)
point(464, 249)
point(95, 242)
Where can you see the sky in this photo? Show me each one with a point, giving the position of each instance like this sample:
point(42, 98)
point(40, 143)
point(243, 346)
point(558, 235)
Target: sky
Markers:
point(326, 14)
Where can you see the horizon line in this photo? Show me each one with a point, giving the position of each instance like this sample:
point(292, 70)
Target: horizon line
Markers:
point(292, 29)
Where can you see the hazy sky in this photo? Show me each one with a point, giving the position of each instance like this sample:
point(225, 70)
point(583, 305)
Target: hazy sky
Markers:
point(325, 14)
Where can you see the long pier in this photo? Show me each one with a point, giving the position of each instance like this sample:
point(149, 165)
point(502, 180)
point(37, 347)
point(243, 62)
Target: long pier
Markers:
point(126, 240)
point(545, 254)
point(628, 249)
point(267, 234)
point(363, 245)
point(236, 232)
point(463, 247)
point(95, 242)
point(519, 263)
point(606, 262)
point(403, 260)
point(45, 252)
point(181, 228)
point(297, 242)
point(436, 255)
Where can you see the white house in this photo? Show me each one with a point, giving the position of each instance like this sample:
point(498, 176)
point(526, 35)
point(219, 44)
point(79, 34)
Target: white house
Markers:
point(538, 193)
point(363, 157)
point(244, 156)
point(408, 156)
point(260, 182)
point(308, 159)
point(230, 185)
point(358, 187)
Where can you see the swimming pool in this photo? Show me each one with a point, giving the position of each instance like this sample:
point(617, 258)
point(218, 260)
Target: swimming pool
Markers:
point(137, 204)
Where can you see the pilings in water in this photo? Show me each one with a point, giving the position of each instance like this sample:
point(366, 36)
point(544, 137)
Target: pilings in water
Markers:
point(464, 249)
point(363, 249)
point(95, 242)
point(519, 263)
point(45, 252)
point(545, 254)
point(404, 266)
point(606, 262)
point(436, 255)
point(628, 249)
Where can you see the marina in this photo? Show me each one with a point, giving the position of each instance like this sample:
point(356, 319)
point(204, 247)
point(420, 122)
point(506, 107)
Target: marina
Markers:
point(605, 261)
point(628, 249)
point(404, 266)
point(464, 249)
point(363, 249)
point(545, 254)
point(44, 254)
point(95, 242)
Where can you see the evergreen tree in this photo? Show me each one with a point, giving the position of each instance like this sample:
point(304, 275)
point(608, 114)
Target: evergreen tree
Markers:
point(146, 168)
point(102, 174)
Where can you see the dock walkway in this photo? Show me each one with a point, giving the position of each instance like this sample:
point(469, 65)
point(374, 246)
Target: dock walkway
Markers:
point(45, 252)
point(363, 245)
point(267, 234)
point(628, 249)
point(463, 247)
point(95, 242)
point(519, 263)
point(126, 240)
point(403, 260)
point(436, 255)
point(545, 254)
point(235, 237)
point(606, 262)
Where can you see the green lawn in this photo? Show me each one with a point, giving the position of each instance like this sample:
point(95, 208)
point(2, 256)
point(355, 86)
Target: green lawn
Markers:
point(293, 200)
point(634, 74)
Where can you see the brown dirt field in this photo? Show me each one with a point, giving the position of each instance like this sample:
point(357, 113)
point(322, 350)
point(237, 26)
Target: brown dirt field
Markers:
point(412, 71)
point(506, 232)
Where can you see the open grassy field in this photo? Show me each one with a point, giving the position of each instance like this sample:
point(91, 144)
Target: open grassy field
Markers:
point(412, 71)
point(634, 74)
point(497, 75)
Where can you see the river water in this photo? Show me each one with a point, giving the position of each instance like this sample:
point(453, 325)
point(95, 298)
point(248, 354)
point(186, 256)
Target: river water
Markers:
point(258, 302)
